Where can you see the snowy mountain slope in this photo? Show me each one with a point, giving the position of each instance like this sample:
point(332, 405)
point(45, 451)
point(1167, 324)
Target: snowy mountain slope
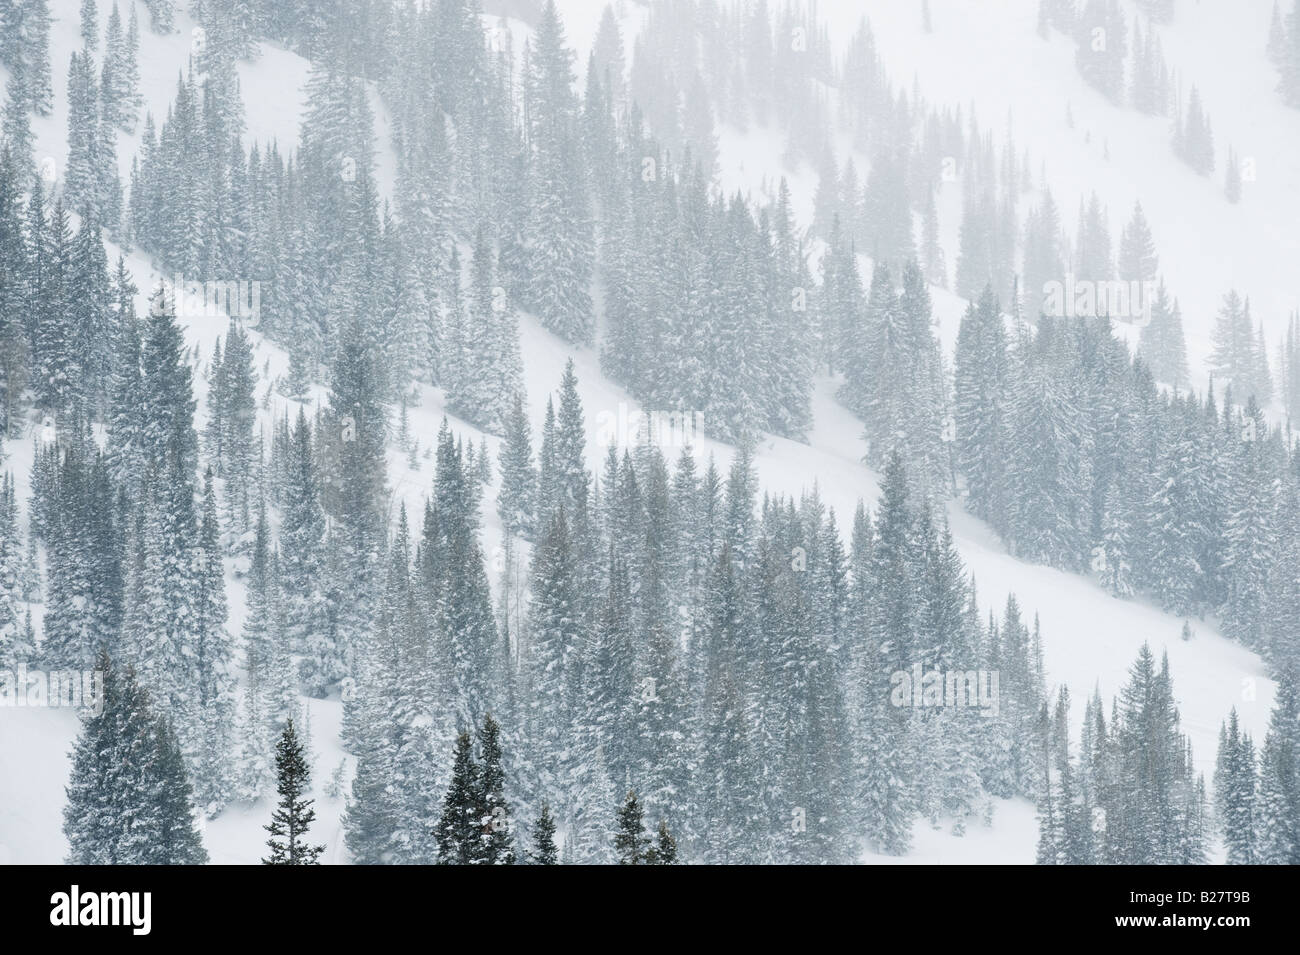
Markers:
point(1206, 245)
point(1089, 636)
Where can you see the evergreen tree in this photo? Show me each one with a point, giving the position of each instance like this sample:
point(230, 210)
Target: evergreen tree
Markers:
point(543, 851)
point(89, 25)
point(36, 52)
point(631, 843)
point(1289, 86)
point(664, 851)
point(516, 502)
point(560, 239)
point(497, 838)
point(981, 397)
point(16, 128)
point(270, 690)
point(1138, 261)
point(214, 664)
point(459, 830)
point(1278, 802)
point(1276, 37)
point(1193, 137)
point(355, 433)
point(1162, 344)
point(87, 159)
point(1043, 256)
point(1152, 801)
point(1232, 178)
point(302, 533)
point(1235, 791)
point(555, 635)
point(294, 814)
point(128, 795)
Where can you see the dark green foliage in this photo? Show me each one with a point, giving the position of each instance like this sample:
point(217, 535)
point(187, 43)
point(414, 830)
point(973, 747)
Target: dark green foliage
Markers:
point(294, 814)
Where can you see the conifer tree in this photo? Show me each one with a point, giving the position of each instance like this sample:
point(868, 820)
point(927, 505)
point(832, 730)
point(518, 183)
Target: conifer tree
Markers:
point(1162, 344)
point(86, 158)
point(981, 395)
point(631, 843)
point(1289, 86)
point(355, 433)
point(1193, 137)
point(1278, 840)
point(214, 663)
point(36, 22)
point(1232, 178)
point(302, 533)
point(128, 794)
point(110, 88)
point(1276, 37)
point(459, 831)
point(269, 686)
point(543, 851)
point(1235, 791)
point(178, 841)
point(883, 790)
point(497, 838)
point(294, 814)
point(1138, 261)
point(664, 851)
point(89, 25)
point(516, 503)
point(16, 127)
point(561, 243)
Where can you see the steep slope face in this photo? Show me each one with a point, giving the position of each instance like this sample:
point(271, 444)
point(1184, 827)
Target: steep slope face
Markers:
point(1205, 244)
point(992, 58)
point(1090, 638)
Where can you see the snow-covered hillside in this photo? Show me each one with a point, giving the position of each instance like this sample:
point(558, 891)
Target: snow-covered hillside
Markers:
point(1090, 637)
point(1206, 244)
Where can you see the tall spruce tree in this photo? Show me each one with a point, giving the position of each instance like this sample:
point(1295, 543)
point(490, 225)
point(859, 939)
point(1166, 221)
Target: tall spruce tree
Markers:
point(129, 798)
point(294, 814)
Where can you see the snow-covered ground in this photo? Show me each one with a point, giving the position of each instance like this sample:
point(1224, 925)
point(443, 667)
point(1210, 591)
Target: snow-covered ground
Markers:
point(1090, 638)
point(1206, 245)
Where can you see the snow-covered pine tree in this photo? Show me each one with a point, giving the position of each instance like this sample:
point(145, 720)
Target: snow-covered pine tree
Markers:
point(13, 647)
point(294, 814)
point(1232, 177)
point(516, 502)
point(981, 393)
point(1235, 785)
point(1138, 261)
point(1289, 86)
point(1162, 344)
point(664, 850)
point(128, 794)
point(1278, 801)
point(631, 844)
point(84, 564)
point(458, 831)
point(302, 534)
point(16, 127)
point(1249, 528)
point(214, 664)
point(543, 851)
point(1193, 137)
point(561, 244)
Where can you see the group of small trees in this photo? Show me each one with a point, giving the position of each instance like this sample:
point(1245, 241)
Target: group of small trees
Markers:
point(1071, 451)
point(130, 801)
point(475, 827)
point(1257, 792)
point(1132, 795)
